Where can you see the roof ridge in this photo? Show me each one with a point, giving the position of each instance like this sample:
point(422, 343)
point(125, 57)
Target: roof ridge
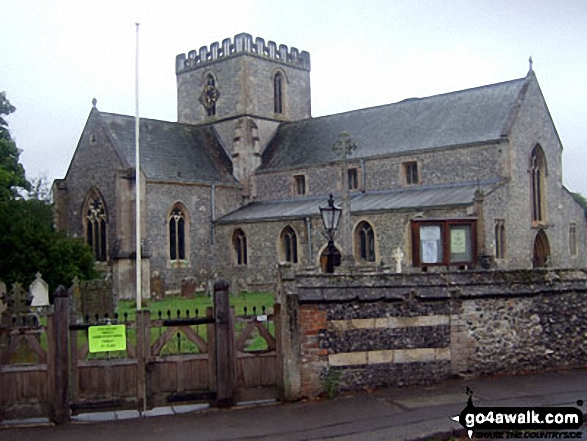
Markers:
point(405, 101)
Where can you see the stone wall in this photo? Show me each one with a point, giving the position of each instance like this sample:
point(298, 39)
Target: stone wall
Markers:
point(439, 166)
point(377, 330)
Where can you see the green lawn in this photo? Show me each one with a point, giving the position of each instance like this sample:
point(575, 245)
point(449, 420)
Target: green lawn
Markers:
point(174, 307)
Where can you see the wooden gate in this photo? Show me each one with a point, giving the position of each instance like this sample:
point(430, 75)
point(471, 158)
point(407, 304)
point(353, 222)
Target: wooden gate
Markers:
point(213, 356)
point(258, 355)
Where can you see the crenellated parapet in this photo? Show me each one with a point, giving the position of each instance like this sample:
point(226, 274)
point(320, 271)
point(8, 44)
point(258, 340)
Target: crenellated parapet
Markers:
point(242, 43)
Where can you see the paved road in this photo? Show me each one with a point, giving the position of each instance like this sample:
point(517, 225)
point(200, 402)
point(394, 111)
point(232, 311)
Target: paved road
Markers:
point(390, 414)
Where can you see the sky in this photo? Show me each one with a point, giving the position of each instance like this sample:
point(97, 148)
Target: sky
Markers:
point(57, 55)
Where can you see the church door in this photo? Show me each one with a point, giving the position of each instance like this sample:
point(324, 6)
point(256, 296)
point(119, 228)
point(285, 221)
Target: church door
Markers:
point(541, 250)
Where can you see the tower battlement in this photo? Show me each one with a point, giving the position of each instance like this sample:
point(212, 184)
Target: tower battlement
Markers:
point(242, 43)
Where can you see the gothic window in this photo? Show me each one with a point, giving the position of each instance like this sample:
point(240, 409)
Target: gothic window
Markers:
point(239, 242)
point(177, 234)
point(499, 239)
point(289, 245)
point(411, 172)
point(537, 184)
point(443, 242)
point(278, 93)
point(353, 178)
point(573, 239)
point(365, 242)
point(299, 185)
point(95, 222)
point(209, 95)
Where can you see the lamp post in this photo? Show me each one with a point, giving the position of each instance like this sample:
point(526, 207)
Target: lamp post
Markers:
point(330, 218)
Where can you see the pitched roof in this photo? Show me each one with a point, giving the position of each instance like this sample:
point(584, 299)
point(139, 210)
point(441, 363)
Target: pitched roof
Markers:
point(421, 197)
point(170, 151)
point(469, 116)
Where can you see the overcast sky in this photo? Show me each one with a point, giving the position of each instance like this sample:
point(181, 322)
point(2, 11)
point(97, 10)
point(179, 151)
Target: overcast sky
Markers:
point(55, 56)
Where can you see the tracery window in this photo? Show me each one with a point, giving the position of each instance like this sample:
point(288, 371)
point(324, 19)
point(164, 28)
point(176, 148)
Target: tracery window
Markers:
point(95, 222)
point(365, 242)
point(537, 184)
point(209, 95)
point(278, 93)
point(289, 244)
point(177, 234)
point(239, 242)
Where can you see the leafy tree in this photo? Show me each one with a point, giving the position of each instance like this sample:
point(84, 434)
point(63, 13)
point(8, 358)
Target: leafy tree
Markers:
point(581, 200)
point(11, 171)
point(28, 239)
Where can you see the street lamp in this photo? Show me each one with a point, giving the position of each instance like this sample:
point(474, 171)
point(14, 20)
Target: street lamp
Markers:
point(330, 219)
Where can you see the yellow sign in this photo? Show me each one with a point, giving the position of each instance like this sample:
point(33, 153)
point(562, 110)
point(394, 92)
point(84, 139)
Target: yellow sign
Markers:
point(107, 338)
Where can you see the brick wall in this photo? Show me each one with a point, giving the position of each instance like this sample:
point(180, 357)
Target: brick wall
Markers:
point(378, 330)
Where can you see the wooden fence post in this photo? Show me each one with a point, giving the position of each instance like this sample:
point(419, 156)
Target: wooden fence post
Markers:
point(224, 350)
point(60, 411)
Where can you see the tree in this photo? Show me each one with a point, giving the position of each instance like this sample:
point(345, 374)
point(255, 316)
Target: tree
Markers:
point(581, 200)
point(28, 240)
point(11, 171)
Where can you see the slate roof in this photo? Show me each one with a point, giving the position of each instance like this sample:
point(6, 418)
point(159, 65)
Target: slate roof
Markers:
point(421, 197)
point(471, 116)
point(170, 151)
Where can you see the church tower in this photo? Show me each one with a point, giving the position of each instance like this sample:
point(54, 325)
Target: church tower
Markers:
point(244, 88)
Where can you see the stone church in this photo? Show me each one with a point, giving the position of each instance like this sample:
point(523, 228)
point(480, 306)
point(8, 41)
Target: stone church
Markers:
point(463, 180)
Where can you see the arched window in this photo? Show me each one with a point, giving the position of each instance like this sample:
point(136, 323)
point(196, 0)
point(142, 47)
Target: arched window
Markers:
point(239, 242)
point(278, 93)
point(499, 239)
point(177, 234)
point(365, 242)
point(209, 95)
point(289, 244)
point(537, 183)
point(96, 220)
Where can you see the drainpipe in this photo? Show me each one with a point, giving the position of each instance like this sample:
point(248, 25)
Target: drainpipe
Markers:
point(309, 228)
point(213, 225)
point(363, 178)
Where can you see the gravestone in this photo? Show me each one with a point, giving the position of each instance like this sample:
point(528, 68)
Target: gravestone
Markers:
point(40, 292)
point(157, 286)
point(188, 287)
point(398, 256)
point(97, 297)
point(75, 301)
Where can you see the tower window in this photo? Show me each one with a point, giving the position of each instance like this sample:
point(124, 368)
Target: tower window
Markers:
point(278, 93)
point(177, 235)
point(411, 172)
point(239, 242)
point(209, 95)
point(95, 223)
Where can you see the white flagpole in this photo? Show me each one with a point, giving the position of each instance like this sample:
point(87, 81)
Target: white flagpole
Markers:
point(137, 180)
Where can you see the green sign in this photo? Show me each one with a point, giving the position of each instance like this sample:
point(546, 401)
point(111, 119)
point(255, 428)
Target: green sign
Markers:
point(107, 338)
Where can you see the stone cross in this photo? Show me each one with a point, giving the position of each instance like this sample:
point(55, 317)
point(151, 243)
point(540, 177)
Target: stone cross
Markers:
point(40, 291)
point(398, 256)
